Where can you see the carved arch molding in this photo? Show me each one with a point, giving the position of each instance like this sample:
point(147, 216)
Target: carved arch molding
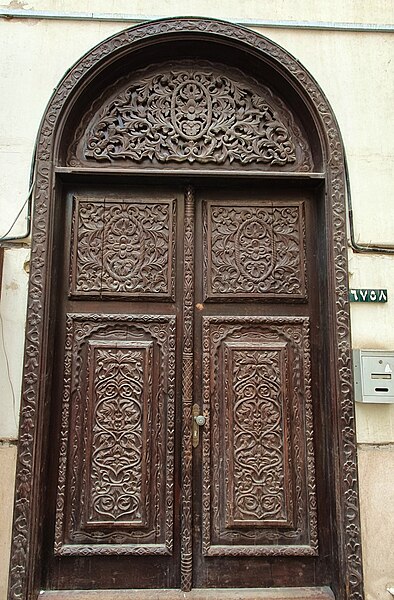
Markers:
point(211, 120)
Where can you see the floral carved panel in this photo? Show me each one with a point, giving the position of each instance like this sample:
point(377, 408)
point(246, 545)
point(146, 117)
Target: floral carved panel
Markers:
point(255, 251)
point(192, 114)
point(114, 495)
point(119, 414)
point(259, 475)
point(26, 556)
point(122, 248)
point(259, 488)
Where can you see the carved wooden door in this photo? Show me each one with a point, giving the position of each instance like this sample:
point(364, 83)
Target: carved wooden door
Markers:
point(257, 359)
point(116, 520)
point(173, 296)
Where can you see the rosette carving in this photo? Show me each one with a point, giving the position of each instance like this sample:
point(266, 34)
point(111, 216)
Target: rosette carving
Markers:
point(194, 115)
point(255, 251)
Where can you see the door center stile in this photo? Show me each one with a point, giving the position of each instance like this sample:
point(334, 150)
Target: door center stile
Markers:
point(187, 392)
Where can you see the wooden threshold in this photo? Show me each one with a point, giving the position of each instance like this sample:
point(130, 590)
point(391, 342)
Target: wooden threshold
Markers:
point(321, 593)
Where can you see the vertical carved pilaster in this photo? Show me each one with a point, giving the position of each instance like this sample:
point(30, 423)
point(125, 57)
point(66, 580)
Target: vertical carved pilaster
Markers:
point(187, 392)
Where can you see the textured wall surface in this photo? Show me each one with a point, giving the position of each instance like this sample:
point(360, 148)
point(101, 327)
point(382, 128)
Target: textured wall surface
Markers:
point(354, 69)
point(376, 471)
point(7, 474)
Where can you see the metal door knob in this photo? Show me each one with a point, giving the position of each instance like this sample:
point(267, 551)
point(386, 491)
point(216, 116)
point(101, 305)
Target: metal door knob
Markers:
point(198, 421)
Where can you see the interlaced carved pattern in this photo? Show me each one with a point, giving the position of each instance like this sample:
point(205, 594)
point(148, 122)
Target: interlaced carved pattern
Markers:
point(122, 248)
point(25, 551)
point(256, 492)
point(119, 450)
point(121, 516)
point(192, 115)
point(255, 251)
point(187, 392)
point(294, 533)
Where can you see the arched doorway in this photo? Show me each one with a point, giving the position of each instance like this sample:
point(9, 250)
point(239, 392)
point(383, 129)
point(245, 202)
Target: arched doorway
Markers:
point(187, 419)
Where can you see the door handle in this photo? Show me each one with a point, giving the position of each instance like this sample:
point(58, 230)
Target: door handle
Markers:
point(197, 422)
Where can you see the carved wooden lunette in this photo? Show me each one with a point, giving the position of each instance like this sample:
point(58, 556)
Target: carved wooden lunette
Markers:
point(173, 113)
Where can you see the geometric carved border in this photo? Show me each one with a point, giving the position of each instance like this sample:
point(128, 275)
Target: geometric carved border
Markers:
point(285, 398)
point(25, 551)
point(152, 535)
point(187, 393)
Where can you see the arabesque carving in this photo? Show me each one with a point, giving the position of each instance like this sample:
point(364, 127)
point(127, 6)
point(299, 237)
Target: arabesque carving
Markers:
point(25, 553)
point(123, 248)
point(122, 378)
point(120, 500)
point(257, 486)
point(255, 251)
point(267, 422)
point(183, 114)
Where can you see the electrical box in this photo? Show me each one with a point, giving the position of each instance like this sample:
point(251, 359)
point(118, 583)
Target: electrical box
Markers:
point(373, 376)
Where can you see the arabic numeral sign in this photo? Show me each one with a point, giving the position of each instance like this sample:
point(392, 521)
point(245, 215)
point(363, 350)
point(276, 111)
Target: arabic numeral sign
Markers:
point(364, 295)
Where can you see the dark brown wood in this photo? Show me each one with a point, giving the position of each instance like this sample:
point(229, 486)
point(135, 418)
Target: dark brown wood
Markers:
point(116, 476)
point(123, 249)
point(182, 113)
point(257, 317)
point(254, 251)
point(202, 594)
point(259, 480)
point(270, 305)
point(188, 293)
point(147, 171)
point(112, 476)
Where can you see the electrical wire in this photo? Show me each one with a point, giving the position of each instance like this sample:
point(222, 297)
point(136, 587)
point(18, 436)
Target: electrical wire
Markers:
point(356, 247)
point(4, 237)
point(370, 248)
point(28, 201)
point(7, 362)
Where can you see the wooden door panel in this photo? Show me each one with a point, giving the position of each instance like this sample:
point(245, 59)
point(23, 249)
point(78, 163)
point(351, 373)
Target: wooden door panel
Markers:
point(254, 250)
point(256, 321)
point(113, 517)
point(160, 285)
point(116, 473)
point(123, 249)
point(258, 460)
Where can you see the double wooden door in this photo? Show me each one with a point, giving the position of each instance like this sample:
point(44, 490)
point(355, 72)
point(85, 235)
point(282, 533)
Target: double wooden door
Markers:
point(176, 302)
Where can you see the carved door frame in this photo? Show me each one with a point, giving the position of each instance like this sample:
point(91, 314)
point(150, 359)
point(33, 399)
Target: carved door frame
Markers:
point(294, 81)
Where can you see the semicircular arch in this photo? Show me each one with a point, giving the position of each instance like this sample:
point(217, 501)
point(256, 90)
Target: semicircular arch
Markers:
point(86, 88)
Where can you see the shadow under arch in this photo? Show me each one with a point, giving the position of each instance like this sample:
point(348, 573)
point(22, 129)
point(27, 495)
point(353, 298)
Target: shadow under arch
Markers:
point(111, 60)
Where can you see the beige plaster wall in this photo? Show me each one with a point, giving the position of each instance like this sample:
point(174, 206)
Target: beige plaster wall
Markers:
point(12, 329)
point(373, 328)
point(7, 473)
point(355, 71)
point(376, 472)
point(359, 11)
